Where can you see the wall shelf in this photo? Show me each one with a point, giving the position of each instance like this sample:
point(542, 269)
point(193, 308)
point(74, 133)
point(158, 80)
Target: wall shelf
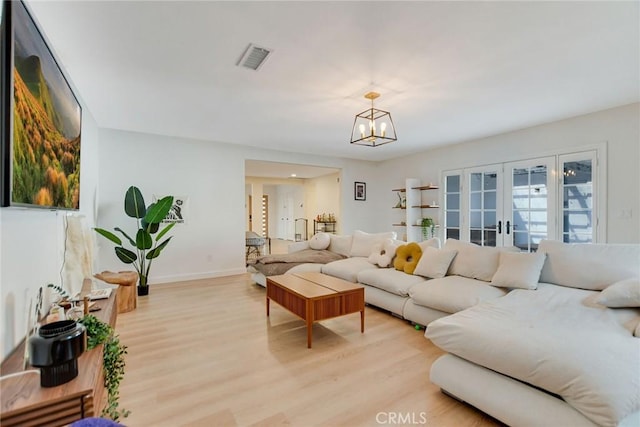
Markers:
point(414, 207)
point(324, 226)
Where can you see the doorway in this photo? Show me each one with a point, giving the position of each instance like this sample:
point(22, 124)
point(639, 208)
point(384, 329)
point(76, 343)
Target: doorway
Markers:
point(293, 192)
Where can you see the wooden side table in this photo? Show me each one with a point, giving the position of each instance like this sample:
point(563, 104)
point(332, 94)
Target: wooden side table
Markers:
point(127, 282)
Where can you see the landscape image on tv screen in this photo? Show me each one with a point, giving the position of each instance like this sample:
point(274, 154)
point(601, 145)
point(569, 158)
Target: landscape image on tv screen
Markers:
point(47, 120)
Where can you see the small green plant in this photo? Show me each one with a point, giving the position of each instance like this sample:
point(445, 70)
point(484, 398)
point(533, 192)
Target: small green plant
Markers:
point(113, 362)
point(60, 290)
point(428, 228)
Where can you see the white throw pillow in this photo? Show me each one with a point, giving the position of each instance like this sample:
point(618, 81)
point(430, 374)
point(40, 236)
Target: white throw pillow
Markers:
point(320, 241)
point(519, 270)
point(473, 261)
point(434, 242)
point(340, 244)
point(625, 293)
point(434, 263)
point(363, 242)
point(383, 253)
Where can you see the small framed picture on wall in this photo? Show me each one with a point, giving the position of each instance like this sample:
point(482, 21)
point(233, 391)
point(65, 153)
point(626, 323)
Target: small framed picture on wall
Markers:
point(360, 191)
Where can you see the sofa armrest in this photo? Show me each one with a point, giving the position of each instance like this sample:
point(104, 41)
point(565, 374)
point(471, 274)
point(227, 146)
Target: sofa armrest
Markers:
point(298, 246)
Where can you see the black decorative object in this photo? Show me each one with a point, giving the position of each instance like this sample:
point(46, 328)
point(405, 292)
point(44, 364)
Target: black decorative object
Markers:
point(55, 350)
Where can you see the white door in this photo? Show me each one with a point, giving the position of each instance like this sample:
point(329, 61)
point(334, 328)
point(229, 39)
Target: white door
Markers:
point(484, 205)
point(530, 203)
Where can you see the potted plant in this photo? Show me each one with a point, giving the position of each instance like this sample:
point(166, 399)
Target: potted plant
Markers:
point(428, 228)
point(146, 247)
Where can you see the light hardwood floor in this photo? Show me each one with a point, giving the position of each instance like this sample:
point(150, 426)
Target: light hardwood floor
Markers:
point(203, 353)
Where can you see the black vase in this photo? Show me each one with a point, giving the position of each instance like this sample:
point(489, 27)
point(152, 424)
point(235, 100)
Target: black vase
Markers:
point(143, 290)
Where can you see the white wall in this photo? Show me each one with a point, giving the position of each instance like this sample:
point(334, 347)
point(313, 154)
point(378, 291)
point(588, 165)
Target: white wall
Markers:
point(212, 175)
point(323, 195)
point(32, 244)
point(618, 127)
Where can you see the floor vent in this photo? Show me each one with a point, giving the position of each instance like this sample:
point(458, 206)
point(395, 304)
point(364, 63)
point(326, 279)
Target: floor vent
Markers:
point(253, 57)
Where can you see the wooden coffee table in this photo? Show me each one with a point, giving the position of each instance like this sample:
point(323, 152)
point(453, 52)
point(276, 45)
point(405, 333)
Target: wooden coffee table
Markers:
point(316, 296)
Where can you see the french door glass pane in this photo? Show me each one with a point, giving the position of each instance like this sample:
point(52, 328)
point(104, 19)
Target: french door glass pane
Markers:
point(475, 220)
point(453, 183)
point(453, 201)
point(475, 201)
point(490, 199)
point(577, 202)
point(453, 219)
point(475, 183)
point(490, 219)
point(578, 196)
point(529, 212)
point(490, 181)
point(453, 233)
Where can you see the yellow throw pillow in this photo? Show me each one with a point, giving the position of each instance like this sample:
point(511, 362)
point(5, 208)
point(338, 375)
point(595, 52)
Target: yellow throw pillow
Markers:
point(407, 257)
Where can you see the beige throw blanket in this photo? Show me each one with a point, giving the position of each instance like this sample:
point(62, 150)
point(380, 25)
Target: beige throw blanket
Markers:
point(271, 265)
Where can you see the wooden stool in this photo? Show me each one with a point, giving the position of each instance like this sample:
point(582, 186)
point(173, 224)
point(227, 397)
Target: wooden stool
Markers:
point(127, 282)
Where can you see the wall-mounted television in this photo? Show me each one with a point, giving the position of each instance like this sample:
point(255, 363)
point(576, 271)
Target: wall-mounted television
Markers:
point(40, 119)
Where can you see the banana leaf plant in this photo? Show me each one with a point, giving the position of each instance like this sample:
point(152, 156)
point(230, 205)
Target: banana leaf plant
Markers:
point(147, 244)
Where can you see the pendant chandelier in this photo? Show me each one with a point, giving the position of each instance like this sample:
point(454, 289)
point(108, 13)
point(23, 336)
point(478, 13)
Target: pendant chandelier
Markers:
point(373, 127)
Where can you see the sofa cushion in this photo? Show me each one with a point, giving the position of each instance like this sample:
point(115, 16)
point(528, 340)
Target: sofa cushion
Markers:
point(625, 293)
point(320, 241)
point(550, 339)
point(340, 244)
point(363, 243)
point(348, 269)
point(390, 280)
point(453, 293)
point(434, 263)
point(305, 268)
point(473, 261)
point(407, 257)
point(588, 266)
point(518, 270)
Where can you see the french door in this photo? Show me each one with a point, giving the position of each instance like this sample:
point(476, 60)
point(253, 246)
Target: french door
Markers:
point(507, 204)
point(485, 205)
point(529, 211)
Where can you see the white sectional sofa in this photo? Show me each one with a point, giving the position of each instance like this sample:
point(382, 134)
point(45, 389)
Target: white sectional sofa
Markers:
point(530, 338)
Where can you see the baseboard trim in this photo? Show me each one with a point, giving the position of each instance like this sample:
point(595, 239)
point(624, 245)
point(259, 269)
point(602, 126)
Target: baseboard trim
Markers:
point(197, 276)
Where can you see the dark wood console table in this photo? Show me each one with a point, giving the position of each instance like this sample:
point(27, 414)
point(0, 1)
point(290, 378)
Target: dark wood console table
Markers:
point(23, 402)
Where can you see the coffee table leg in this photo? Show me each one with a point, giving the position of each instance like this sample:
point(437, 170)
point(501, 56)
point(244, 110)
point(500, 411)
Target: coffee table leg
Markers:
point(267, 306)
point(362, 321)
point(309, 322)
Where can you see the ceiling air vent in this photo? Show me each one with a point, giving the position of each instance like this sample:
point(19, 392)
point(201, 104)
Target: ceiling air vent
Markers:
point(254, 57)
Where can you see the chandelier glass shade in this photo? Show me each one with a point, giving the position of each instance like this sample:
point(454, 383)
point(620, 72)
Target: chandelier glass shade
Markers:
point(373, 127)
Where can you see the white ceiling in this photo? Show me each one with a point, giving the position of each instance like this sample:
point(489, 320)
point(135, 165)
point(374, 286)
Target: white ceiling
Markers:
point(447, 71)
